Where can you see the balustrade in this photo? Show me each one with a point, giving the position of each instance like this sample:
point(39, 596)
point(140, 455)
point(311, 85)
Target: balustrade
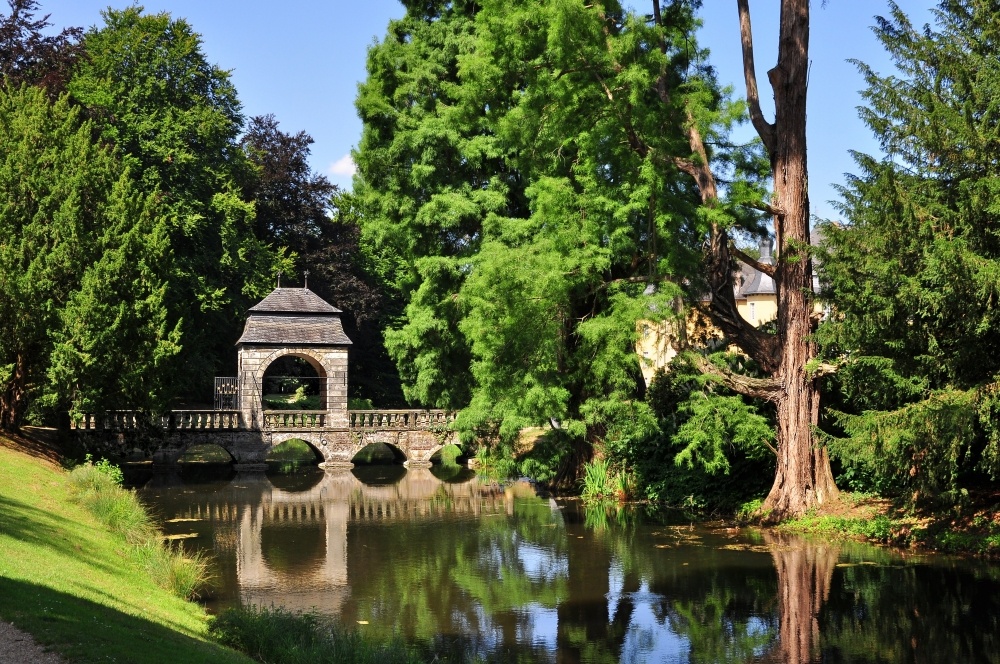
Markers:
point(407, 420)
point(400, 420)
point(202, 419)
point(294, 419)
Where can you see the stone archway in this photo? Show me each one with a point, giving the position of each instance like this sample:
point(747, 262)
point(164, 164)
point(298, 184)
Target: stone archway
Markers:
point(329, 363)
point(294, 322)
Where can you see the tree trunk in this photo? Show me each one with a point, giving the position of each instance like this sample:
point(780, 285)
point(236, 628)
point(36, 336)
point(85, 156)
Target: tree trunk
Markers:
point(13, 396)
point(803, 478)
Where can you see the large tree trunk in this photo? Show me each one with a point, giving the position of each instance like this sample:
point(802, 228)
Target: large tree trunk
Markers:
point(803, 478)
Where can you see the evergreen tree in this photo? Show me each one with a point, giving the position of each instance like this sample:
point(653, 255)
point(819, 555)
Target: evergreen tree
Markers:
point(82, 266)
point(176, 120)
point(520, 171)
point(915, 274)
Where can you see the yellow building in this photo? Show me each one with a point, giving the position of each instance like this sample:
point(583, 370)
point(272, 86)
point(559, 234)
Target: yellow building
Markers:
point(756, 301)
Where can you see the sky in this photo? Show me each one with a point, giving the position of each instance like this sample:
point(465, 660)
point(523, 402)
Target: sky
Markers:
point(302, 60)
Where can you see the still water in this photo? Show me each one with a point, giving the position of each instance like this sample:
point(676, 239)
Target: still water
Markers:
point(463, 565)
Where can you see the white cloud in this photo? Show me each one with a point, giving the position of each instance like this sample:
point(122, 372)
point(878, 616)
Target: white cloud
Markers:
point(343, 166)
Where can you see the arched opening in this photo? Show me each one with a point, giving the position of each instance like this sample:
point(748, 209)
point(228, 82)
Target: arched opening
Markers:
point(207, 453)
point(449, 464)
point(292, 455)
point(293, 382)
point(378, 454)
point(205, 463)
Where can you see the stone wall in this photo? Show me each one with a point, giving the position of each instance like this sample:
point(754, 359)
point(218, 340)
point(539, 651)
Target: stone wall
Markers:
point(329, 363)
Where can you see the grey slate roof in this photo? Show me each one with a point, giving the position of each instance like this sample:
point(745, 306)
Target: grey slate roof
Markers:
point(294, 317)
point(294, 301)
point(756, 282)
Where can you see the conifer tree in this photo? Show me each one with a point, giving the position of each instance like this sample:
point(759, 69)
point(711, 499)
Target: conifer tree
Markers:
point(915, 271)
point(521, 191)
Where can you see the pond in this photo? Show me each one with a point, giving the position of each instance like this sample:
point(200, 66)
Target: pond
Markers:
point(462, 565)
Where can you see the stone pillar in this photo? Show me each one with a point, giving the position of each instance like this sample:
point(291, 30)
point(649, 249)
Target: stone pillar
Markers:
point(335, 366)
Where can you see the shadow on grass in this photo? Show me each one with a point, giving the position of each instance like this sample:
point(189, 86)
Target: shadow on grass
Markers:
point(42, 529)
point(83, 630)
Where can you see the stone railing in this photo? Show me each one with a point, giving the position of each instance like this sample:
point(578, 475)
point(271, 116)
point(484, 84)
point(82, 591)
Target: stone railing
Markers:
point(130, 420)
point(407, 420)
point(294, 419)
point(201, 419)
point(112, 420)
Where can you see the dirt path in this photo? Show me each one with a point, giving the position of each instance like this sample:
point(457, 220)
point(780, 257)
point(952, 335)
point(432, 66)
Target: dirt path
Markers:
point(18, 647)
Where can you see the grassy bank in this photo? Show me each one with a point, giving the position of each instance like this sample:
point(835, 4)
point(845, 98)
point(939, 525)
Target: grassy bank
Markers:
point(69, 581)
point(972, 528)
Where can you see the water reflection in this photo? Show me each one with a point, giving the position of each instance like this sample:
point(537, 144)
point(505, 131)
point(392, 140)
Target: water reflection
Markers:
point(467, 566)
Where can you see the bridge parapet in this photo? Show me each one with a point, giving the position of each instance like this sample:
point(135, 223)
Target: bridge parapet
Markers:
point(201, 419)
point(294, 419)
point(405, 420)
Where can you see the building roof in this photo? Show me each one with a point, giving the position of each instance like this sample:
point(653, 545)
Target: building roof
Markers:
point(294, 317)
point(294, 301)
point(756, 282)
point(285, 330)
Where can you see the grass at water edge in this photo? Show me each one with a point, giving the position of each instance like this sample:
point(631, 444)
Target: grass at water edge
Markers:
point(66, 579)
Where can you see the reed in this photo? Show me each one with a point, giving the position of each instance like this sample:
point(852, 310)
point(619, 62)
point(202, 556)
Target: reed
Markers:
point(279, 636)
point(97, 486)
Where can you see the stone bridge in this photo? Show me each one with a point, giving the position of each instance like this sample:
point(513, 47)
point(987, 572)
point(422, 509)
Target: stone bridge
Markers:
point(289, 324)
point(414, 435)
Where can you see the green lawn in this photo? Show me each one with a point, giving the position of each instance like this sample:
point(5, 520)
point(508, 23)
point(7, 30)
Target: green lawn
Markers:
point(64, 578)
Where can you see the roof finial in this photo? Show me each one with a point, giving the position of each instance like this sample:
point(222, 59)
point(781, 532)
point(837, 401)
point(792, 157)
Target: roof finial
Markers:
point(306, 286)
point(279, 278)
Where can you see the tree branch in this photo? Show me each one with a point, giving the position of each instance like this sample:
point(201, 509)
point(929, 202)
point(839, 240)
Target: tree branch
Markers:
point(749, 260)
point(764, 128)
point(758, 388)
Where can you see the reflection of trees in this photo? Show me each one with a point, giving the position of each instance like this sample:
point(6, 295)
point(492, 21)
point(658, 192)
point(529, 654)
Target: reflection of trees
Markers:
point(461, 576)
point(884, 612)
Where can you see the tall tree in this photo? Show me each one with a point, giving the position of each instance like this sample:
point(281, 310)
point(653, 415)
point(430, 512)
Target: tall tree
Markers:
point(529, 206)
point(176, 119)
point(803, 478)
point(915, 274)
point(82, 266)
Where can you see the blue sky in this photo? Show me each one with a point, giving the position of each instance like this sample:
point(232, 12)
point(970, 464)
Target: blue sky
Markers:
point(302, 61)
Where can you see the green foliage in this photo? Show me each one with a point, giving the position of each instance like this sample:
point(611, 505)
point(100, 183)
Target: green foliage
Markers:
point(713, 449)
point(84, 278)
point(602, 482)
point(279, 636)
point(176, 120)
point(520, 193)
point(914, 276)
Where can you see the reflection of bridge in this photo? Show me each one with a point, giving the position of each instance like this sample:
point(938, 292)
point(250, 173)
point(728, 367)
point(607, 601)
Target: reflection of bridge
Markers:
point(252, 504)
point(288, 323)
